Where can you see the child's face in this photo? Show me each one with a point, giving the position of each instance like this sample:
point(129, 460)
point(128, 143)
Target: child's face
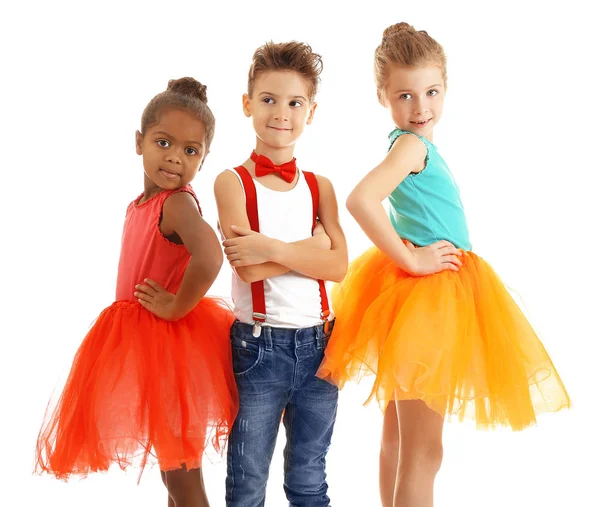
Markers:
point(415, 96)
point(173, 149)
point(280, 107)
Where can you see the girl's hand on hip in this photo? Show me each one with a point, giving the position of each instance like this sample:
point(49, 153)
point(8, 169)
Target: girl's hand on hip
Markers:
point(154, 298)
point(439, 256)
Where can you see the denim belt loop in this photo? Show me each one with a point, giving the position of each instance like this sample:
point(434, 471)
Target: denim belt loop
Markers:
point(267, 337)
point(319, 336)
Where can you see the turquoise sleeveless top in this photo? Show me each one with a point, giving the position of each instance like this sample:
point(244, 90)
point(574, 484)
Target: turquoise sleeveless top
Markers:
point(426, 206)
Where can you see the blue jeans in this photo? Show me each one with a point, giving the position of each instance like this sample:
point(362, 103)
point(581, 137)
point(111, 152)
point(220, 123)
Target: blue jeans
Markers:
point(275, 374)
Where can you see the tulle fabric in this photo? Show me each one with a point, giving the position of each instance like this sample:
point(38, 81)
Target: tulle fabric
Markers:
point(456, 340)
point(143, 390)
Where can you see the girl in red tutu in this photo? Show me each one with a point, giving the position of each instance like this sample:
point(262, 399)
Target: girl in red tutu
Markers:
point(419, 310)
point(153, 379)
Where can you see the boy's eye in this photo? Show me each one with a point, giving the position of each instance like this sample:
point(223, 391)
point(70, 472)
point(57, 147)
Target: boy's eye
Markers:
point(406, 96)
point(268, 100)
point(191, 151)
point(296, 103)
point(163, 143)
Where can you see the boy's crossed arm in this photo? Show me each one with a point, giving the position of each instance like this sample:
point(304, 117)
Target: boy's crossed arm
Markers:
point(256, 257)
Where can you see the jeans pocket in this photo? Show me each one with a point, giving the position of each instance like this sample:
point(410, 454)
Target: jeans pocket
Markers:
point(247, 355)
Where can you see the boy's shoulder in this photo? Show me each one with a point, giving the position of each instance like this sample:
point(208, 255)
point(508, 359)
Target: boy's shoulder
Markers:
point(227, 186)
point(226, 177)
point(320, 177)
point(324, 183)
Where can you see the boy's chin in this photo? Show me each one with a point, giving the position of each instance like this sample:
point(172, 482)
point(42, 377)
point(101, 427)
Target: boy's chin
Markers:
point(277, 144)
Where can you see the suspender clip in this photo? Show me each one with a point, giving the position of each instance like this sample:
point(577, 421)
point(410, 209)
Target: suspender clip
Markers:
point(259, 318)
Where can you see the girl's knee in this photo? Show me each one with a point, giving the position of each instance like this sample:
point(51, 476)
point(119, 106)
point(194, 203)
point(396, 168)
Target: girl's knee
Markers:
point(184, 495)
point(426, 457)
point(390, 445)
point(433, 456)
point(183, 486)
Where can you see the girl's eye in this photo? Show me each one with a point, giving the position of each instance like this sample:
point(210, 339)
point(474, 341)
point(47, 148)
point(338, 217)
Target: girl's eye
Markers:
point(296, 103)
point(406, 96)
point(191, 151)
point(268, 100)
point(163, 143)
point(432, 93)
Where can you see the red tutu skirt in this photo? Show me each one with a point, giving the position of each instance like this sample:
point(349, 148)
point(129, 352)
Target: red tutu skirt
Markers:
point(142, 389)
point(455, 340)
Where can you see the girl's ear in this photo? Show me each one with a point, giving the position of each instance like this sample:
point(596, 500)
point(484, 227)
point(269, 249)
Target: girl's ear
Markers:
point(138, 142)
point(382, 98)
point(203, 160)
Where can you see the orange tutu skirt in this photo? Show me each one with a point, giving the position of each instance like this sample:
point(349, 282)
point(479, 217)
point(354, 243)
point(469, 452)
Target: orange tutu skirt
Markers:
point(456, 340)
point(142, 389)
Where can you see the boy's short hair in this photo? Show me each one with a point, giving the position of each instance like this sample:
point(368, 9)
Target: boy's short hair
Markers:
point(294, 56)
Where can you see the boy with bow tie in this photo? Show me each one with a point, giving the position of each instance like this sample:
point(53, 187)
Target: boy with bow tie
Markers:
point(283, 239)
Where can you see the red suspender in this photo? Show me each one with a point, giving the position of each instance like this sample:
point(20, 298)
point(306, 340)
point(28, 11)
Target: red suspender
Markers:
point(259, 312)
point(313, 185)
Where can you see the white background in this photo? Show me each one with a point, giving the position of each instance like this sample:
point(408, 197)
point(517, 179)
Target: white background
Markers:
point(520, 133)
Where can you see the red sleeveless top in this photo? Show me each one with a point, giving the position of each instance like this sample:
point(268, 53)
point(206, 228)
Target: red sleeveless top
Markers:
point(145, 252)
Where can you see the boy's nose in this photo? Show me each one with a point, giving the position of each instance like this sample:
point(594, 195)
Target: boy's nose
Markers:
point(281, 115)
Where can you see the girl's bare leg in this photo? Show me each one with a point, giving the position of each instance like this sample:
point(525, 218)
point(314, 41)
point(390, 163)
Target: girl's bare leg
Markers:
point(420, 453)
point(388, 455)
point(163, 476)
point(186, 488)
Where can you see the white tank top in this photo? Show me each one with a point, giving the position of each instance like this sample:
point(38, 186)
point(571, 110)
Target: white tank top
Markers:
point(292, 300)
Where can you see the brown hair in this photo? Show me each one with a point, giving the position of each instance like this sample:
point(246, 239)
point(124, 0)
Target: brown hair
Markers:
point(403, 45)
point(294, 56)
point(185, 93)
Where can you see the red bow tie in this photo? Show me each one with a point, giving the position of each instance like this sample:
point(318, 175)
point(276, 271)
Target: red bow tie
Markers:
point(264, 166)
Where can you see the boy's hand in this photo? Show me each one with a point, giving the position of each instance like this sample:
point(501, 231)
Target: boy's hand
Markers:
point(154, 298)
point(249, 248)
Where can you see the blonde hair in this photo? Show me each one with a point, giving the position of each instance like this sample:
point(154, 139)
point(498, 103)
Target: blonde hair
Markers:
point(403, 45)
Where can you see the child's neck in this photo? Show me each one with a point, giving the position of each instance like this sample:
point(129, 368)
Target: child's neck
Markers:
point(150, 189)
point(277, 155)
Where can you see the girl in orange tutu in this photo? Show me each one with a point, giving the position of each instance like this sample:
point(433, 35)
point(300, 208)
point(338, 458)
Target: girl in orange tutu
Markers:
point(429, 318)
point(153, 378)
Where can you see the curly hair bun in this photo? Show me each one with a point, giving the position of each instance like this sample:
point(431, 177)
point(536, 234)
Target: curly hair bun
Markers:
point(188, 86)
point(398, 27)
